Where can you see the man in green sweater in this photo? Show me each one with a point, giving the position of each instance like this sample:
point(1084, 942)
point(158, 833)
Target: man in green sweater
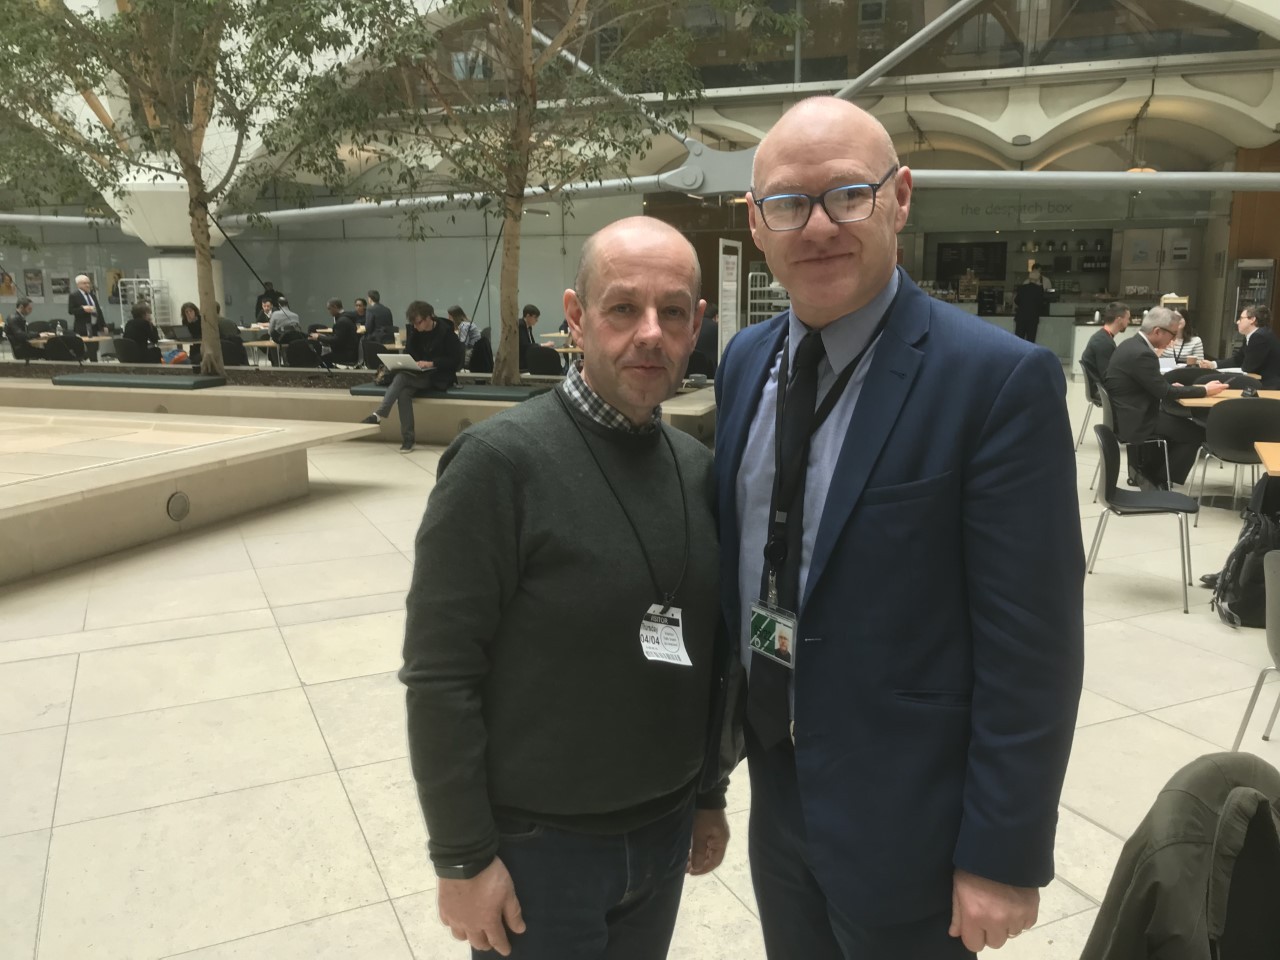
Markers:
point(560, 694)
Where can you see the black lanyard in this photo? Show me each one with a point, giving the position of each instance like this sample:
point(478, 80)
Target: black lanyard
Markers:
point(787, 477)
point(668, 597)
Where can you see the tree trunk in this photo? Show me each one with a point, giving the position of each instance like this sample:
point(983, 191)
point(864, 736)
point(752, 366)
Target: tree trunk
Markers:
point(506, 365)
point(210, 338)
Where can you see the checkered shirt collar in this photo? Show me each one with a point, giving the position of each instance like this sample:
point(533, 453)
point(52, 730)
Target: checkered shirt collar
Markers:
point(577, 389)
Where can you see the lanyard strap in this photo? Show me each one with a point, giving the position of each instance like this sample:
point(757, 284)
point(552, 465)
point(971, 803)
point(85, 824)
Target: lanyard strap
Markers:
point(668, 596)
point(788, 477)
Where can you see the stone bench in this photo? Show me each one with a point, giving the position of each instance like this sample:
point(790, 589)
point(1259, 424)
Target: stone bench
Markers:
point(139, 381)
point(482, 391)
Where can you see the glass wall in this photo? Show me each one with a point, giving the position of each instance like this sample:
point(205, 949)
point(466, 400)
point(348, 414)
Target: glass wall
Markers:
point(841, 38)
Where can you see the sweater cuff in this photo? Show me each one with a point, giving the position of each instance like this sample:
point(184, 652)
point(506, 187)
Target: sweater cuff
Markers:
point(713, 799)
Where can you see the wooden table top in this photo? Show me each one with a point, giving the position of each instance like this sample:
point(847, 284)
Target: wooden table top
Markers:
point(1225, 395)
point(1270, 455)
point(568, 349)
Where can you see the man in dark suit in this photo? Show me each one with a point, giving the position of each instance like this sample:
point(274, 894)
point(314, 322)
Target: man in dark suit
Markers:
point(907, 755)
point(379, 324)
point(343, 344)
point(1138, 393)
point(86, 309)
point(1097, 352)
point(1259, 353)
point(528, 317)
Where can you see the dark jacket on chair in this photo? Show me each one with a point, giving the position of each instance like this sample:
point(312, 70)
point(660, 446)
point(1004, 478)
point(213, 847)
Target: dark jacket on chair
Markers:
point(1198, 878)
point(1096, 358)
point(1259, 354)
point(1136, 387)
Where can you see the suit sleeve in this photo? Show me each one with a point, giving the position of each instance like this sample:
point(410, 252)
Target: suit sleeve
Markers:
point(1146, 373)
point(1025, 569)
point(469, 525)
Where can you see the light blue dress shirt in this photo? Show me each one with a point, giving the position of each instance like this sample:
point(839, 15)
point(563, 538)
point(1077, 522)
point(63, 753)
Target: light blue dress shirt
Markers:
point(843, 340)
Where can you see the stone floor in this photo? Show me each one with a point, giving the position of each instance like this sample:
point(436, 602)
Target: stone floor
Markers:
point(202, 749)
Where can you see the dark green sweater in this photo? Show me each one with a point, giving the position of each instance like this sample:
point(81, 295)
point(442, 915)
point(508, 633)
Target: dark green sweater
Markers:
point(528, 692)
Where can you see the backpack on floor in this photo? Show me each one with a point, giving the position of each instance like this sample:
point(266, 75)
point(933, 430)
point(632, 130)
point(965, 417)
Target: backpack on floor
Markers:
point(1240, 596)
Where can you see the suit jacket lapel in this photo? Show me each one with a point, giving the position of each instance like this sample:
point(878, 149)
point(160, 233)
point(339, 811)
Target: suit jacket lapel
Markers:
point(893, 371)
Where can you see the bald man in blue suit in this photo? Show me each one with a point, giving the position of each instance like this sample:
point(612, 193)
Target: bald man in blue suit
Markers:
point(919, 507)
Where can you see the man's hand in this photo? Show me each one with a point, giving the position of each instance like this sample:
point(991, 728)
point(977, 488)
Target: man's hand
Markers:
point(481, 909)
point(1214, 387)
point(424, 364)
point(710, 840)
point(986, 914)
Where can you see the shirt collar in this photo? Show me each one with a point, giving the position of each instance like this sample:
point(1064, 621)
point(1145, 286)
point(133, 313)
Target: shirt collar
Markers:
point(845, 337)
point(578, 391)
point(1147, 341)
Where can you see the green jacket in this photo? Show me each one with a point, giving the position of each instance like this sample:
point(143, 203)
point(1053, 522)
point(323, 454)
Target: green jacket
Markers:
point(1207, 852)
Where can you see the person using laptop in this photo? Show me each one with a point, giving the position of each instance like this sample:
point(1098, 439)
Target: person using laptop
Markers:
point(436, 353)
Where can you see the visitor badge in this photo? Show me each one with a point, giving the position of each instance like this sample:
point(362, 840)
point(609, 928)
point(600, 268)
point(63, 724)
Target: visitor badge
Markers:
point(773, 633)
point(662, 637)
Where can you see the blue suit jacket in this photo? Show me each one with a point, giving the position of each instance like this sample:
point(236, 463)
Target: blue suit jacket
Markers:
point(940, 642)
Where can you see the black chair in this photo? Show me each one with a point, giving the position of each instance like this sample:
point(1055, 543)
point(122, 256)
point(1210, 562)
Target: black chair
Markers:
point(234, 353)
point(39, 326)
point(300, 353)
point(700, 365)
point(129, 351)
point(1139, 503)
point(24, 351)
point(1271, 571)
point(1091, 391)
point(1108, 418)
point(65, 349)
point(1232, 429)
point(544, 361)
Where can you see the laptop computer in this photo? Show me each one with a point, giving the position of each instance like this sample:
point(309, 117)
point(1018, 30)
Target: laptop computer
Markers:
point(398, 361)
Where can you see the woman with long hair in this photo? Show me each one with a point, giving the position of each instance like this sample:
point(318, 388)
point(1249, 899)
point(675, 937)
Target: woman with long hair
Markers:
point(191, 317)
point(1186, 345)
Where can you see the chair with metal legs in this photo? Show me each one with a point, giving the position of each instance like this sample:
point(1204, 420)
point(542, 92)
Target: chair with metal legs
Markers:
point(1138, 503)
point(1091, 392)
point(1108, 418)
point(1230, 432)
point(1271, 573)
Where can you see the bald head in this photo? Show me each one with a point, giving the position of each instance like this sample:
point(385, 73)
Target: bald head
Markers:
point(619, 232)
point(836, 119)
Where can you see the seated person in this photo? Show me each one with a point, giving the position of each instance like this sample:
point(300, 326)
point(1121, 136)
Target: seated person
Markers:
point(141, 330)
point(343, 345)
point(528, 317)
point(379, 324)
point(15, 328)
point(227, 329)
point(1098, 351)
point(439, 354)
point(1260, 352)
point(284, 326)
point(1138, 394)
point(467, 332)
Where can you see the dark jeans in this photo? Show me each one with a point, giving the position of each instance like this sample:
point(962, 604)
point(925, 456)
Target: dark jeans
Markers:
point(798, 922)
point(1026, 329)
point(404, 385)
point(595, 897)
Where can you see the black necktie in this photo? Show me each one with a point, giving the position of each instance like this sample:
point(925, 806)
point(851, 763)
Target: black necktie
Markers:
point(768, 700)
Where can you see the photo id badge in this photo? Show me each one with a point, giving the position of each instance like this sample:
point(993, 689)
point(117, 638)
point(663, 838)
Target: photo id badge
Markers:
point(773, 633)
point(662, 637)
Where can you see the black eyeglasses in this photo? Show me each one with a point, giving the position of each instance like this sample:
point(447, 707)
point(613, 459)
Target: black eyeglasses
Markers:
point(847, 204)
